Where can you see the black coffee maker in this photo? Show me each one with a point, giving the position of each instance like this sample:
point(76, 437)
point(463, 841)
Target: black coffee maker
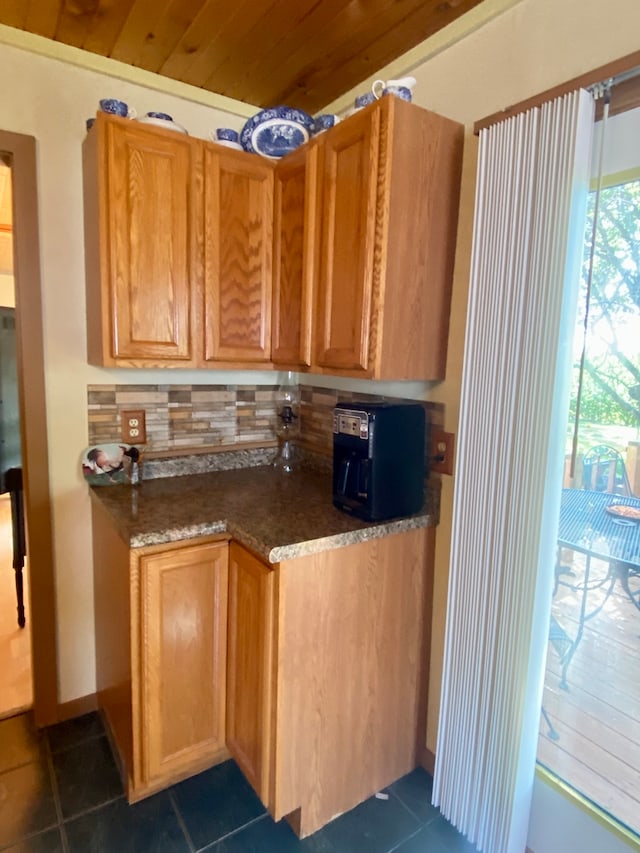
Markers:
point(379, 459)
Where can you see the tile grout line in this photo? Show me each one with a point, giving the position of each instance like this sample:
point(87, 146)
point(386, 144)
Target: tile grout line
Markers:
point(93, 809)
point(212, 844)
point(56, 796)
point(181, 823)
point(404, 840)
point(10, 845)
point(411, 812)
point(62, 821)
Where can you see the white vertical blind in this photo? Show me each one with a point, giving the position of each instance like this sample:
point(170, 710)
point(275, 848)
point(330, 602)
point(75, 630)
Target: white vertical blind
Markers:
point(529, 220)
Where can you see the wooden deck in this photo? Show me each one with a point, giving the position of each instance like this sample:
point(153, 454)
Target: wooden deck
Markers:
point(597, 718)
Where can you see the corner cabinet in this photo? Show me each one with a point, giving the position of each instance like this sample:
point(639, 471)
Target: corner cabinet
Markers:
point(297, 199)
point(250, 662)
point(327, 658)
point(178, 242)
point(161, 649)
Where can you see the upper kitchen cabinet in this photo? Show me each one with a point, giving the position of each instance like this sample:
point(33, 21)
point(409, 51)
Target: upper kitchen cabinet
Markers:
point(238, 239)
point(141, 245)
point(297, 198)
point(348, 228)
point(179, 238)
point(336, 259)
point(391, 179)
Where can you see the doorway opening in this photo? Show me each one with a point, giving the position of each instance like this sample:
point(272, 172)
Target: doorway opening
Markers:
point(18, 152)
point(16, 679)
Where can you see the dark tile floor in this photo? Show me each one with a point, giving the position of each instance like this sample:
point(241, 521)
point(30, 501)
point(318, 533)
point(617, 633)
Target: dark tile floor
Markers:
point(60, 793)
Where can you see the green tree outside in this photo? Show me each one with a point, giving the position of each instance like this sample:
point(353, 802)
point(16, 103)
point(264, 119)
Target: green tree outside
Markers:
point(611, 381)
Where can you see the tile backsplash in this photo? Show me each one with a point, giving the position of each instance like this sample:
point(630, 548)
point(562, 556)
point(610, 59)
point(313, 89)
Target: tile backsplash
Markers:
point(203, 417)
point(185, 416)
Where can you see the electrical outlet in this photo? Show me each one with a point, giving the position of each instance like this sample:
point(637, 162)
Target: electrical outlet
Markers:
point(134, 427)
point(441, 451)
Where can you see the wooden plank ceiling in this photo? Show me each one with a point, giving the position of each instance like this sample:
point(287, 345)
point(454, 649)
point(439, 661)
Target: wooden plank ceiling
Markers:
point(303, 53)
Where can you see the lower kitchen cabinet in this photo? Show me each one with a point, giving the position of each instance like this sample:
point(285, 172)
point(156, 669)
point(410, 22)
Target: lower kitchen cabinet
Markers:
point(161, 643)
point(183, 618)
point(249, 666)
point(310, 672)
point(327, 673)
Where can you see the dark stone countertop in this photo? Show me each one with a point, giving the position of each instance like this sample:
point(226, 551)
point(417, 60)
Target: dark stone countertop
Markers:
point(278, 516)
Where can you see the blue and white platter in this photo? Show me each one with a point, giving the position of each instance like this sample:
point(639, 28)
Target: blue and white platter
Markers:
point(276, 131)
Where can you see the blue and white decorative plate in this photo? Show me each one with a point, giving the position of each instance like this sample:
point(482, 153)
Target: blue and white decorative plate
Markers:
point(276, 132)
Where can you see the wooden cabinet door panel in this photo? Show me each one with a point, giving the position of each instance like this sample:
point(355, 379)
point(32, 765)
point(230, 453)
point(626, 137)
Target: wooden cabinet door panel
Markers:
point(249, 669)
point(238, 199)
point(296, 218)
point(350, 169)
point(150, 243)
point(351, 678)
point(183, 656)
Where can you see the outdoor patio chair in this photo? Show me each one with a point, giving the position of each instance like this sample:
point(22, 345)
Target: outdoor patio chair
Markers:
point(564, 647)
point(604, 470)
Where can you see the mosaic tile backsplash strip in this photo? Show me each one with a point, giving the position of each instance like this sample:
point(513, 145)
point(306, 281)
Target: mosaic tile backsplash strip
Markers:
point(214, 416)
point(185, 416)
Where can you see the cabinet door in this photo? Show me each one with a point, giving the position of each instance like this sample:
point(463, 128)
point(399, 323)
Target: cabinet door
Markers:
point(350, 170)
point(249, 669)
point(183, 657)
point(296, 218)
point(238, 199)
point(150, 243)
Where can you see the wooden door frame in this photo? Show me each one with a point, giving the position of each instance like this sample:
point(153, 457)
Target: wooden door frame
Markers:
point(33, 424)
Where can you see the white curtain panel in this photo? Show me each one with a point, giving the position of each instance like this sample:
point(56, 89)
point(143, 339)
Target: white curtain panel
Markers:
point(530, 214)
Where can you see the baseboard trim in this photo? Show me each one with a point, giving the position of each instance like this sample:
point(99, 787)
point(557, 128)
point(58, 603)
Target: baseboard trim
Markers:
point(77, 707)
point(427, 760)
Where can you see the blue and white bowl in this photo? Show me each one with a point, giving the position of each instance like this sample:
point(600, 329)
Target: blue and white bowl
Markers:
point(324, 122)
point(117, 108)
point(162, 120)
point(276, 131)
point(402, 92)
point(226, 136)
point(364, 100)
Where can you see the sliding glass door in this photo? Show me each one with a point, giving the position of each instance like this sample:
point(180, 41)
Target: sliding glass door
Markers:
point(590, 722)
